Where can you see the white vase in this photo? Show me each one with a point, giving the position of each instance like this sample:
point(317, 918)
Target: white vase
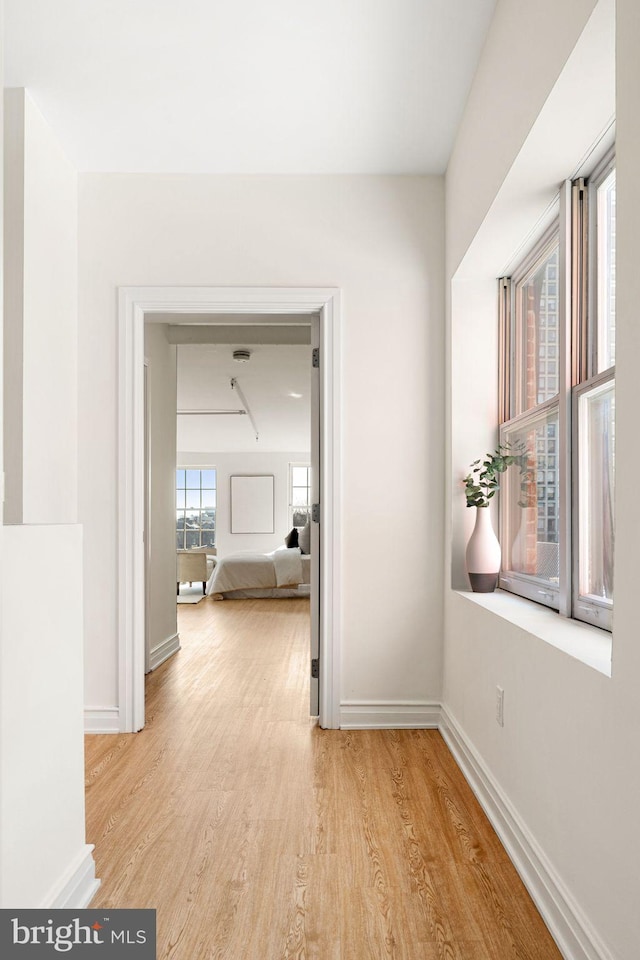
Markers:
point(483, 554)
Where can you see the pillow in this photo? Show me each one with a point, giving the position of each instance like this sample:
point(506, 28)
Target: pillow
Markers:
point(291, 539)
point(304, 538)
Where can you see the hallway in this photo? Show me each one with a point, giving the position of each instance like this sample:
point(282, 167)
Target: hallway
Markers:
point(257, 836)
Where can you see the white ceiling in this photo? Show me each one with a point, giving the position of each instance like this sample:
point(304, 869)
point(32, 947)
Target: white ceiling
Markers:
point(267, 381)
point(248, 86)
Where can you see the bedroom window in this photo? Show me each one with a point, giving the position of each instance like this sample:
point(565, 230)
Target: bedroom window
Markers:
point(195, 507)
point(557, 399)
point(299, 494)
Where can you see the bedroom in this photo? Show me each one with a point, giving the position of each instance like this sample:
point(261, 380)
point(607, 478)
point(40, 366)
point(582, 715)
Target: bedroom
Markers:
point(242, 395)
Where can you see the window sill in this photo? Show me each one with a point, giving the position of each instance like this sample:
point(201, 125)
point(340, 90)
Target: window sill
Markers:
point(581, 641)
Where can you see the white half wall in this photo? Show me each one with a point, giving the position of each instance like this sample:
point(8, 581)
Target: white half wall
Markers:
point(230, 464)
point(41, 352)
point(13, 301)
point(45, 861)
point(378, 239)
point(563, 762)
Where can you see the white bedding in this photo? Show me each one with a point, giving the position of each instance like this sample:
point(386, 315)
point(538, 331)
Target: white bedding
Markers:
point(276, 572)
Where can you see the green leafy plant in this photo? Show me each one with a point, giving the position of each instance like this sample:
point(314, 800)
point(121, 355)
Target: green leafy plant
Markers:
point(483, 482)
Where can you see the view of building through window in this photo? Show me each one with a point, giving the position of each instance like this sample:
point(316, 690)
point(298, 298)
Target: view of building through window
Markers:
point(539, 318)
point(568, 458)
point(195, 508)
point(533, 550)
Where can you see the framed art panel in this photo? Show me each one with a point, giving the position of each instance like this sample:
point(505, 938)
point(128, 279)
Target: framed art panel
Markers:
point(252, 509)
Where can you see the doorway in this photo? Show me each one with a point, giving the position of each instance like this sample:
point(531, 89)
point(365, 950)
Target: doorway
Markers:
point(247, 414)
point(228, 305)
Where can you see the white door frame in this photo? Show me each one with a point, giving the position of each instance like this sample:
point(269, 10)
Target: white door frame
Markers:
point(147, 519)
point(133, 304)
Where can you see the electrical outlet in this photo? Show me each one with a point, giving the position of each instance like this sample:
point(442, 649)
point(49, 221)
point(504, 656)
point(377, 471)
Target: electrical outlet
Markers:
point(500, 706)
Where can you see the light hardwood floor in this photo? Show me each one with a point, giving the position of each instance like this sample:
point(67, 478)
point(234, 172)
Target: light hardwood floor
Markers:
point(258, 836)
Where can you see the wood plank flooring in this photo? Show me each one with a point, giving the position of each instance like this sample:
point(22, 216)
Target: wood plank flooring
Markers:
point(258, 836)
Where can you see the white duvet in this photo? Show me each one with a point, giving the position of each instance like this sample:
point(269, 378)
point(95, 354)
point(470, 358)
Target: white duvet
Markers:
point(281, 568)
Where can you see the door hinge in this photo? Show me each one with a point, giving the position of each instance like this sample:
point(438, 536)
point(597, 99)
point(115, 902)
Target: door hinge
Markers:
point(315, 512)
point(315, 357)
point(315, 669)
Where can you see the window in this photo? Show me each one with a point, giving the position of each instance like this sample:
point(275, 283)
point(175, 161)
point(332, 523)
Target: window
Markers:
point(299, 494)
point(195, 508)
point(557, 397)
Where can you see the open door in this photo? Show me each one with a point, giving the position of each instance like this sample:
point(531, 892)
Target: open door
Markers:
point(316, 467)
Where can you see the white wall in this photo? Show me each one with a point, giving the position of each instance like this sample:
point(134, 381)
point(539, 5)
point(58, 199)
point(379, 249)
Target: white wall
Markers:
point(564, 763)
point(380, 239)
point(45, 861)
point(41, 348)
point(523, 54)
point(228, 464)
point(161, 387)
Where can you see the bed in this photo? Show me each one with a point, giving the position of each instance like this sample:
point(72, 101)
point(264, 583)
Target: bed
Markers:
point(285, 572)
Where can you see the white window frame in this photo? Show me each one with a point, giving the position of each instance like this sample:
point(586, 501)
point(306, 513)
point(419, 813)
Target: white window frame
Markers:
point(292, 508)
point(577, 363)
point(200, 469)
point(588, 608)
point(527, 585)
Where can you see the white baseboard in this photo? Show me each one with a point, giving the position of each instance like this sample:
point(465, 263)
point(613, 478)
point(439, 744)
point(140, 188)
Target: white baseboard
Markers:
point(572, 931)
point(107, 719)
point(163, 651)
point(78, 887)
point(101, 720)
point(388, 714)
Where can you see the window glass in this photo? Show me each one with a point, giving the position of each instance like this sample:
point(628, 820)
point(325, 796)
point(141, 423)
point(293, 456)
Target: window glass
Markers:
point(537, 335)
point(560, 419)
point(531, 494)
point(208, 499)
point(299, 516)
point(300, 476)
point(192, 539)
point(299, 494)
point(596, 424)
point(606, 270)
point(193, 499)
point(208, 479)
point(195, 508)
